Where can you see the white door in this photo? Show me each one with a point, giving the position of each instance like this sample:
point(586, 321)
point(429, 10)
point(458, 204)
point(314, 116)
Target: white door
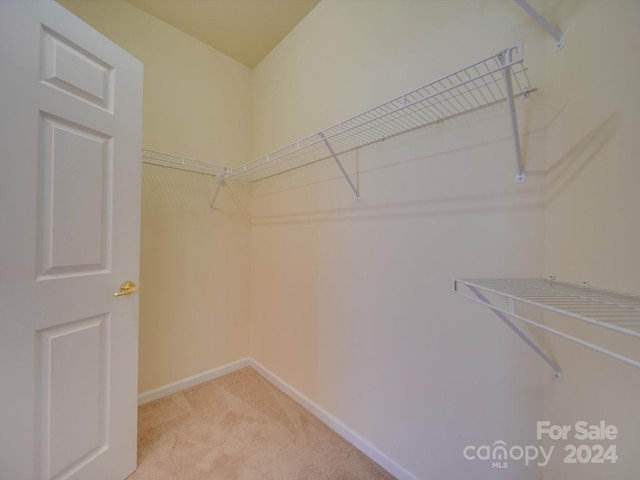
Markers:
point(70, 134)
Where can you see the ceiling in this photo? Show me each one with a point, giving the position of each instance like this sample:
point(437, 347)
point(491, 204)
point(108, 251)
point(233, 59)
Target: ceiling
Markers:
point(246, 30)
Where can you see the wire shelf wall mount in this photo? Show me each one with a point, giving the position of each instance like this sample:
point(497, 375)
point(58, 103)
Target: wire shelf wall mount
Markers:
point(612, 311)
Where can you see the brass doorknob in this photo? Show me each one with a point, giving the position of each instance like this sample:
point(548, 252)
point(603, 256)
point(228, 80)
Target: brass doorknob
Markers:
point(127, 288)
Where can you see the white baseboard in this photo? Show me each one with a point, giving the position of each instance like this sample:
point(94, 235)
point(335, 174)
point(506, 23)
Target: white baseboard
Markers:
point(336, 425)
point(192, 381)
point(325, 417)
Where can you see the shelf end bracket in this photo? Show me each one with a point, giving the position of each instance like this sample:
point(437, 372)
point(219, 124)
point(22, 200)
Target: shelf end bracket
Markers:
point(344, 172)
point(215, 195)
point(557, 373)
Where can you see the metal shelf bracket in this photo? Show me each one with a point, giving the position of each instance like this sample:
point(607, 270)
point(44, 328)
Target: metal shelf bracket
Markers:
point(557, 373)
point(557, 36)
point(344, 172)
point(506, 58)
point(215, 195)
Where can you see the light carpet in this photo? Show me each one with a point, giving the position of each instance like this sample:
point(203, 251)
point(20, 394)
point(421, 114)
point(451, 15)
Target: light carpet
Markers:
point(240, 427)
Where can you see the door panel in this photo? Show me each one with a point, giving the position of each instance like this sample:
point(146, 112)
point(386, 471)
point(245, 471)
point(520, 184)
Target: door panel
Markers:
point(72, 69)
point(70, 131)
point(76, 163)
point(74, 381)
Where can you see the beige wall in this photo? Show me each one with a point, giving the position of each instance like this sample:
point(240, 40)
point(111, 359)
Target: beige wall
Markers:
point(194, 265)
point(592, 221)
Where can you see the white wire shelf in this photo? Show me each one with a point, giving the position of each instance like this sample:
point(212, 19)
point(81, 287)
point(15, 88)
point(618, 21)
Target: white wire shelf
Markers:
point(479, 85)
point(161, 159)
point(614, 311)
point(487, 82)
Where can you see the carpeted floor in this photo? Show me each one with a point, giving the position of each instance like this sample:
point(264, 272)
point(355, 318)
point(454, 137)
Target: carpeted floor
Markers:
point(240, 427)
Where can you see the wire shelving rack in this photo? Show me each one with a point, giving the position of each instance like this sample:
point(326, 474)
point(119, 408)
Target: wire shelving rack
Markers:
point(183, 163)
point(497, 78)
point(614, 311)
point(494, 79)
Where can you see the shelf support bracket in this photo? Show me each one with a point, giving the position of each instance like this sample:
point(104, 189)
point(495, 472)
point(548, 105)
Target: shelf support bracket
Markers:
point(215, 195)
point(557, 36)
point(344, 172)
point(557, 373)
point(505, 60)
